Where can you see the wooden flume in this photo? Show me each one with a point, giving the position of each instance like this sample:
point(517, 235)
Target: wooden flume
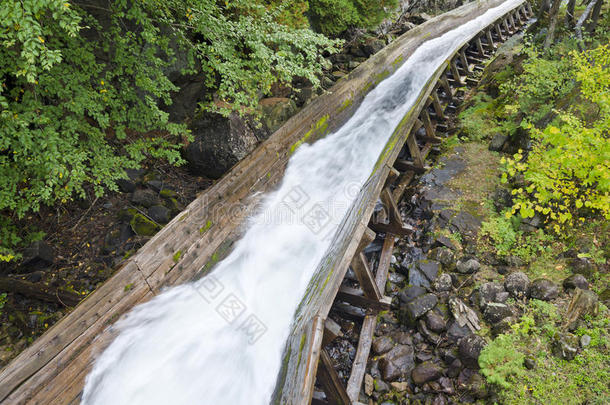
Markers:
point(52, 370)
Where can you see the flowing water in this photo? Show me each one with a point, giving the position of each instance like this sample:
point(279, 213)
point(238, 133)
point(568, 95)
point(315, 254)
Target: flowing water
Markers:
point(219, 340)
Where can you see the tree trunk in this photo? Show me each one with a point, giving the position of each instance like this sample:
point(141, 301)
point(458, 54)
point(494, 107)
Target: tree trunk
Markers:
point(595, 16)
point(553, 16)
point(581, 21)
point(570, 14)
point(39, 291)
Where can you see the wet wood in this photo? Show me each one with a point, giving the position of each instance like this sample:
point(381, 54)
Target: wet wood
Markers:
point(330, 380)
point(356, 298)
point(365, 277)
point(332, 330)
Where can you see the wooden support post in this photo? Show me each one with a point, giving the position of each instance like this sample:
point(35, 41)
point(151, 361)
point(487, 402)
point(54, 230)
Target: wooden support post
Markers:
point(445, 85)
point(332, 330)
point(512, 22)
point(508, 30)
point(367, 237)
point(404, 165)
point(365, 277)
point(490, 41)
point(331, 382)
point(499, 32)
point(393, 174)
point(464, 61)
point(480, 49)
point(414, 149)
point(425, 117)
point(395, 226)
point(356, 298)
point(391, 207)
point(455, 73)
point(436, 103)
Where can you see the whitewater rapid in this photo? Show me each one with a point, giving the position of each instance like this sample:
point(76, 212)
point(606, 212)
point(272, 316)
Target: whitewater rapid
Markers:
point(219, 340)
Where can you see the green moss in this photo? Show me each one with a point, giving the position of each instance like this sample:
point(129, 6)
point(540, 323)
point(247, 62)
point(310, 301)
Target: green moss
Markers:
point(167, 193)
point(398, 61)
point(381, 76)
point(143, 226)
point(346, 104)
point(128, 287)
point(204, 228)
point(177, 256)
point(301, 346)
point(184, 216)
point(318, 129)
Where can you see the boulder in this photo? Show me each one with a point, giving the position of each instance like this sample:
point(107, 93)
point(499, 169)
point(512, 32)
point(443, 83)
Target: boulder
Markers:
point(143, 226)
point(469, 350)
point(396, 363)
point(159, 214)
point(583, 266)
point(543, 289)
point(276, 111)
point(576, 281)
point(495, 312)
point(468, 265)
point(425, 372)
point(517, 284)
point(443, 283)
point(145, 198)
point(382, 344)
point(423, 272)
point(497, 142)
point(38, 255)
point(372, 46)
point(220, 142)
point(416, 308)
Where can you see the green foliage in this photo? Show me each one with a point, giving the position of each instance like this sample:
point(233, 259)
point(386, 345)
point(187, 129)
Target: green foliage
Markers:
point(332, 17)
point(2, 301)
point(506, 239)
point(499, 361)
point(81, 87)
point(567, 173)
point(483, 120)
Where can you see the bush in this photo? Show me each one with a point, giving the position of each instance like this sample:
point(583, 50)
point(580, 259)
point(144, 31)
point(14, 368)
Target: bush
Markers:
point(80, 92)
point(332, 17)
point(499, 361)
point(567, 172)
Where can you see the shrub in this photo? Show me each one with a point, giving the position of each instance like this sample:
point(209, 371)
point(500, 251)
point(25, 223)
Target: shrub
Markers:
point(80, 92)
point(332, 17)
point(499, 361)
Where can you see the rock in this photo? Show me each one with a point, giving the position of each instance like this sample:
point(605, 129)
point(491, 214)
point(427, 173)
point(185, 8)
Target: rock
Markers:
point(116, 237)
point(425, 372)
point(466, 224)
point(543, 289)
point(381, 386)
point(469, 350)
point(565, 346)
point(443, 241)
point(514, 261)
point(443, 283)
point(396, 363)
point(38, 255)
point(382, 345)
point(497, 142)
point(419, 306)
point(126, 186)
point(372, 46)
point(517, 284)
point(495, 312)
point(435, 322)
point(145, 198)
point(502, 198)
point(369, 384)
point(455, 332)
point(468, 266)
point(159, 214)
point(219, 143)
point(443, 255)
point(402, 338)
point(352, 64)
point(410, 293)
point(585, 340)
point(399, 386)
point(583, 266)
point(584, 302)
point(143, 226)
point(503, 326)
point(488, 293)
point(529, 363)
point(338, 74)
point(477, 386)
point(576, 281)
point(423, 272)
point(605, 295)
point(276, 111)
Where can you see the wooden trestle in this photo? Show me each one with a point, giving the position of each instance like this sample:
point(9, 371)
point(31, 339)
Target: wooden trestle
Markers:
point(445, 97)
point(53, 369)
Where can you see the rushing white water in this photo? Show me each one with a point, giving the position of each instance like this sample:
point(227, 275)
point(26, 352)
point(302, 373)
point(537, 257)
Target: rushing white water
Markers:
point(189, 345)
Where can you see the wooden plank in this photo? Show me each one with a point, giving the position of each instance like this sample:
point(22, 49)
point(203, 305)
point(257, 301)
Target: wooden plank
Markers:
point(490, 41)
point(362, 354)
point(455, 74)
point(332, 330)
point(436, 103)
point(356, 298)
point(414, 150)
point(329, 378)
point(425, 117)
point(365, 277)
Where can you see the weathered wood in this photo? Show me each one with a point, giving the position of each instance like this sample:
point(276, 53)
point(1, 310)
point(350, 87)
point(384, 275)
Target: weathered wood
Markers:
point(356, 298)
point(455, 74)
point(365, 277)
point(414, 150)
point(39, 291)
point(404, 165)
point(332, 330)
point(480, 49)
point(446, 88)
point(329, 378)
point(362, 354)
point(490, 41)
point(436, 103)
point(425, 117)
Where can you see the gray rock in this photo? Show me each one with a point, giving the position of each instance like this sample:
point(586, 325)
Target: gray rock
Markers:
point(495, 312)
point(565, 346)
point(455, 332)
point(487, 293)
point(469, 350)
point(576, 281)
point(543, 289)
point(497, 142)
point(443, 255)
point(583, 266)
point(514, 261)
point(423, 272)
point(382, 344)
point(425, 372)
point(219, 143)
point(126, 186)
point(38, 255)
point(372, 46)
point(276, 111)
point(145, 198)
point(381, 387)
point(419, 306)
point(443, 283)
point(517, 284)
point(435, 322)
point(396, 363)
point(410, 293)
point(585, 340)
point(468, 266)
point(159, 213)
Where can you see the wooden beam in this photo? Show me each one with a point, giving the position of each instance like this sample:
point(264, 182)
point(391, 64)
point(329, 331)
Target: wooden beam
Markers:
point(455, 73)
point(480, 49)
point(499, 32)
point(464, 62)
point(425, 117)
point(490, 41)
point(365, 277)
point(40, 291)
point(414, 150)
point(356, 298)
point(331, 382)
point(362, 354)
point(391, 207)
point(445, 85)
point(403, 182)
point(367, 237)
point(404, 165)
point(332, 330)
point(436, 103)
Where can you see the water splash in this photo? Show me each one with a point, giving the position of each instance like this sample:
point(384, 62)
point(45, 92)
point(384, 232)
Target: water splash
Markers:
point(219, 340)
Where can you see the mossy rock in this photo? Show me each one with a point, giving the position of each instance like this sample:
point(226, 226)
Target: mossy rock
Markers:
point(173, 205)
point(143, 226)
point(127, 214)
point(167, 193)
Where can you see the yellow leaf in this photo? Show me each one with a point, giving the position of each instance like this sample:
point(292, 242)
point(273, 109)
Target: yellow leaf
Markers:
point(41, 39)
